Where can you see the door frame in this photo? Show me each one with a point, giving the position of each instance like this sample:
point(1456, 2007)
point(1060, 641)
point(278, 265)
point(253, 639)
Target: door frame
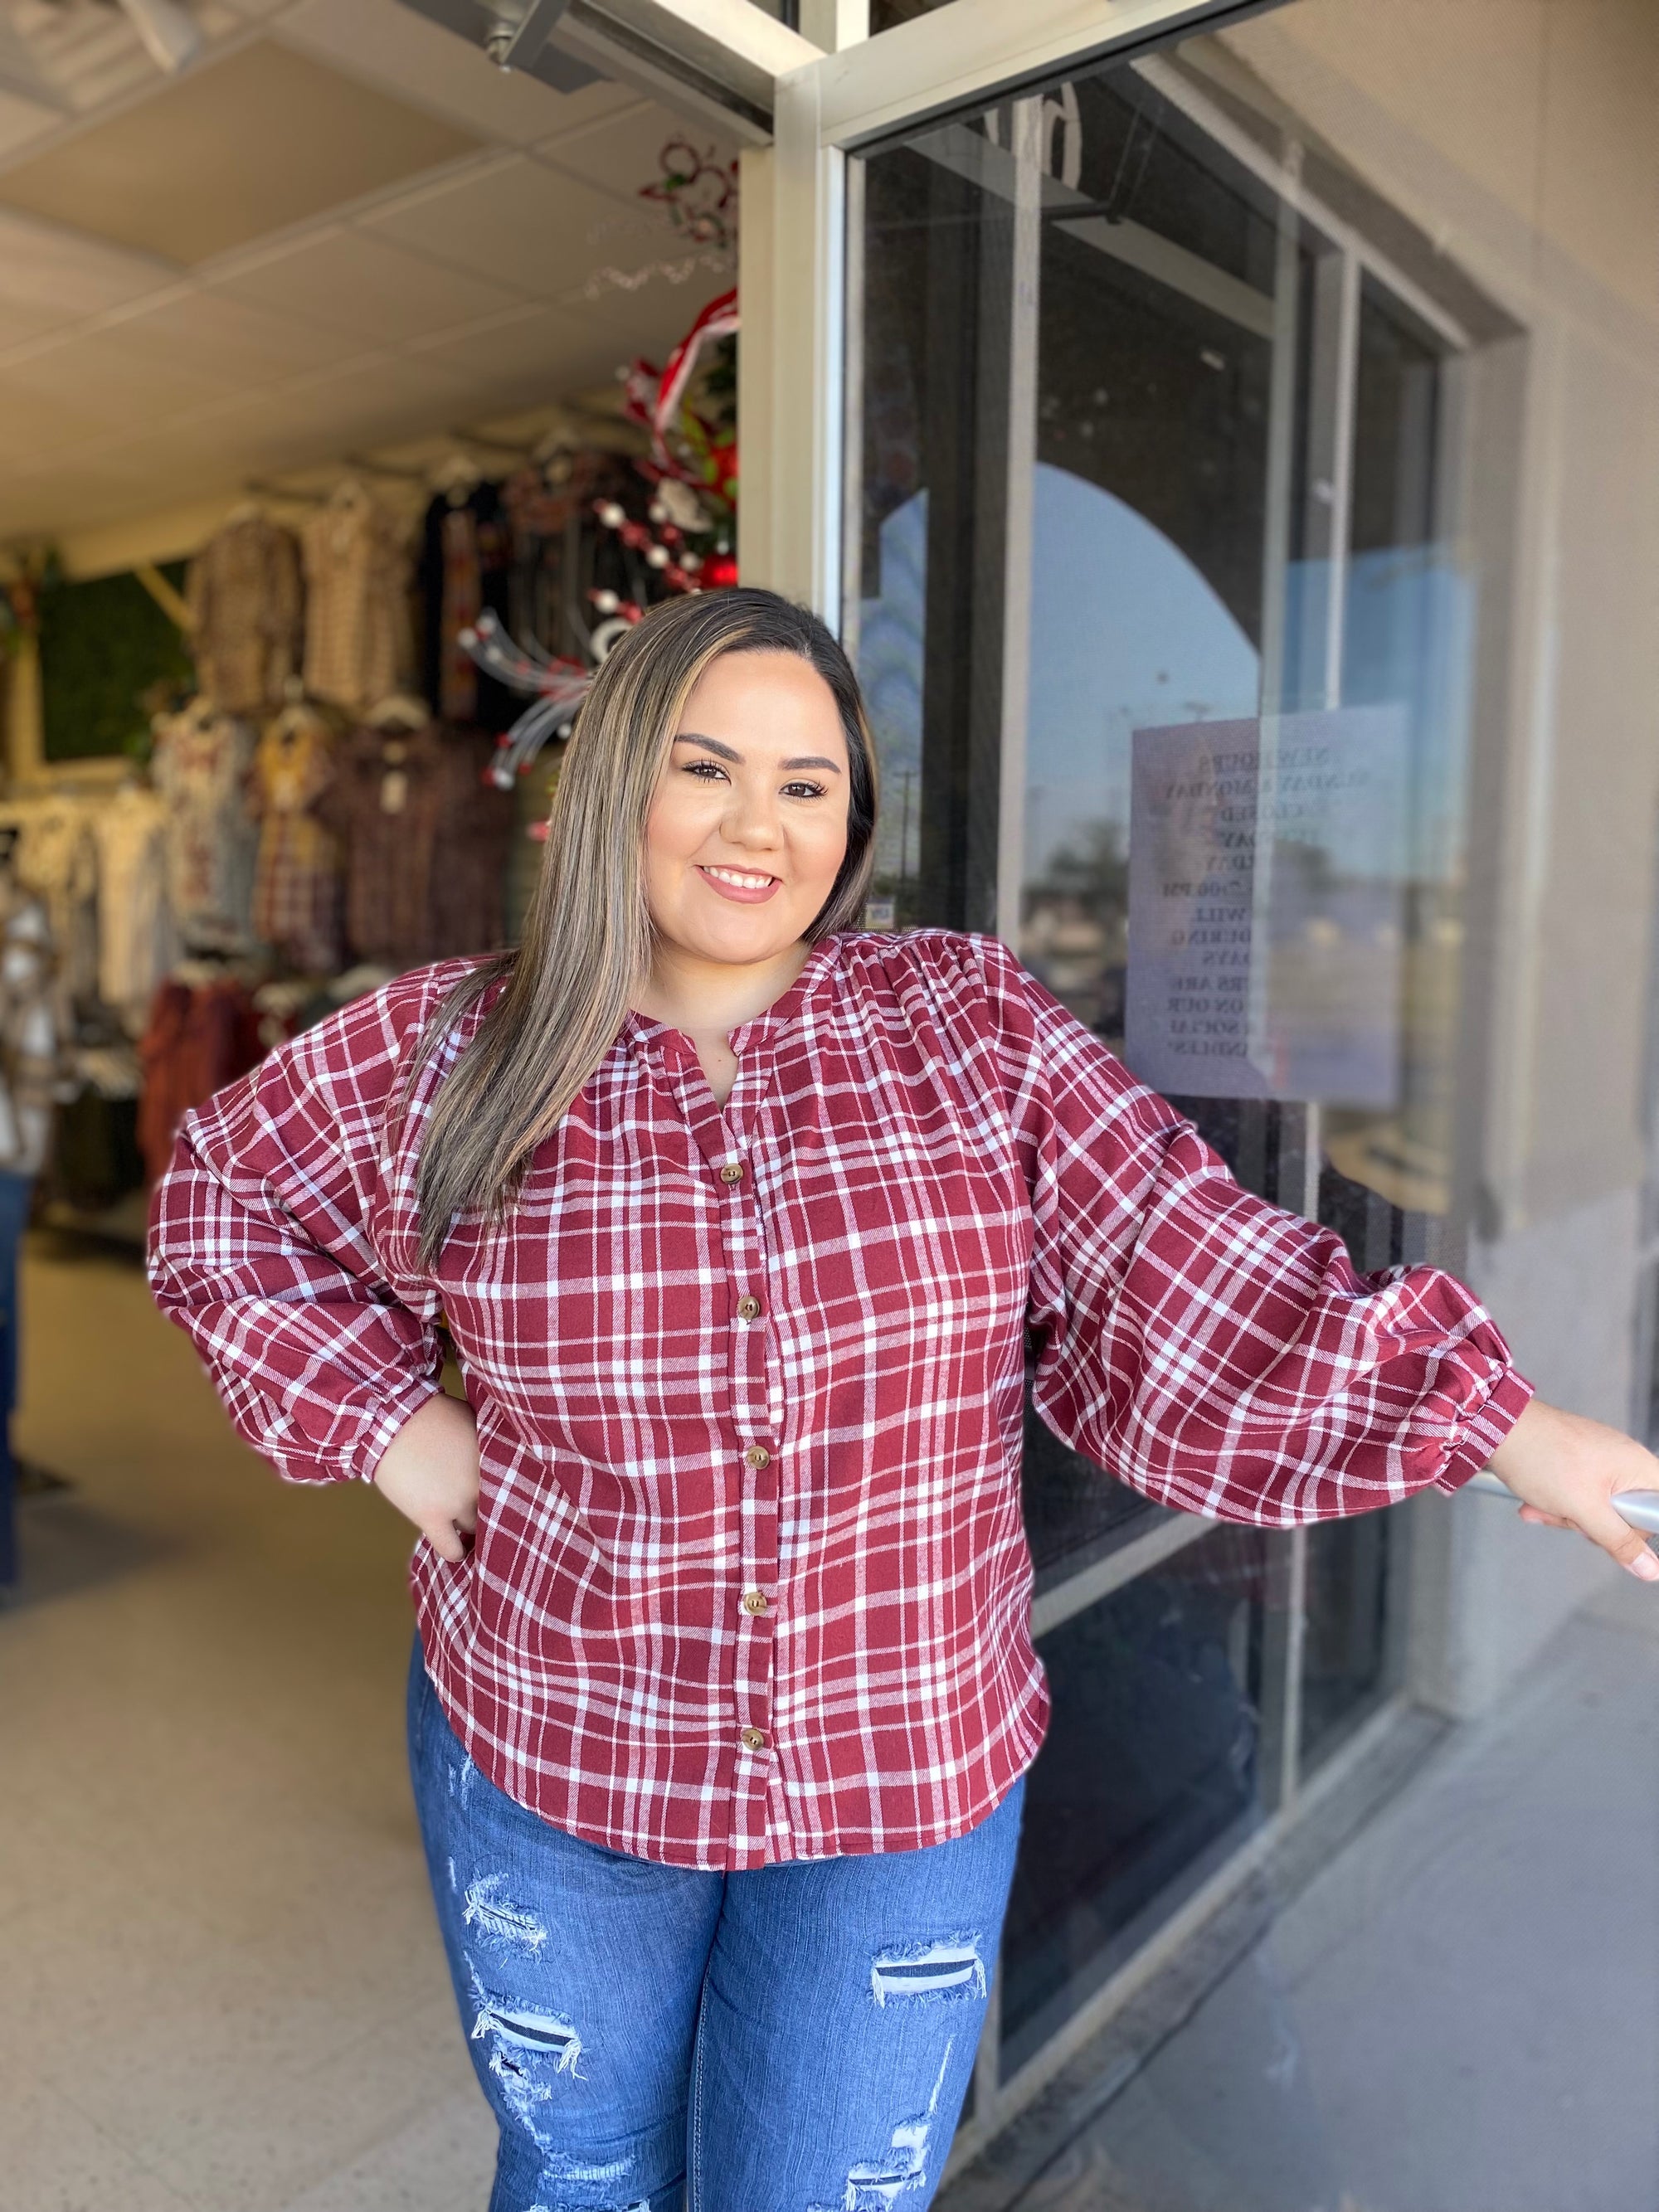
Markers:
point(793, 273)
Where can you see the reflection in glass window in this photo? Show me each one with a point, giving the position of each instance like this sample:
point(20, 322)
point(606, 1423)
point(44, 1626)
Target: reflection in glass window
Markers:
point(1347, 1649)
point(1152, 1772)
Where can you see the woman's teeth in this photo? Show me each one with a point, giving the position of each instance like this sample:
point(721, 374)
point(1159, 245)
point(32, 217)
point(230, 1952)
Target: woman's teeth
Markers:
point(743, 882)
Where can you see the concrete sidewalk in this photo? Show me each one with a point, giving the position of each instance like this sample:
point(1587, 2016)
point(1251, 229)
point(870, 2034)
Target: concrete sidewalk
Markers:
point(1459, 2013)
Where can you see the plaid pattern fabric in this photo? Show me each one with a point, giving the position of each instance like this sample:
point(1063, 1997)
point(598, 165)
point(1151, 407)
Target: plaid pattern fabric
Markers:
point(299, 890)
point(923, 1156)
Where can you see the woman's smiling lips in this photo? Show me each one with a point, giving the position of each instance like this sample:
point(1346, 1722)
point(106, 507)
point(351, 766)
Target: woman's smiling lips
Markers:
point(747, 885)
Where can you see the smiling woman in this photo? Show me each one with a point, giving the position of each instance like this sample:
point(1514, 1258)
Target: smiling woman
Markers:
point(595, 931)
point(746, 837)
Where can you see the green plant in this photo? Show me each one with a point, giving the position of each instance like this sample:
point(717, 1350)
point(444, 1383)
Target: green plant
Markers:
point(104, 645)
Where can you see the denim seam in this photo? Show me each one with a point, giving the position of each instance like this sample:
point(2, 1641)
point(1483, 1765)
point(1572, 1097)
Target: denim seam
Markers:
point(693, 2146)
point(423, 1699)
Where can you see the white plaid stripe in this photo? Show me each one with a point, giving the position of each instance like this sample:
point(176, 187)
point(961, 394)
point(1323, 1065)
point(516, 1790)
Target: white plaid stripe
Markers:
point(936, 1156)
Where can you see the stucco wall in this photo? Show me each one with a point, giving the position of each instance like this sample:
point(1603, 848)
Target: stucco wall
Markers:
point(1520, 136)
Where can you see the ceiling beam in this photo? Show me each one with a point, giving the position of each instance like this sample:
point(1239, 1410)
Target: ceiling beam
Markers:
point(718, 58)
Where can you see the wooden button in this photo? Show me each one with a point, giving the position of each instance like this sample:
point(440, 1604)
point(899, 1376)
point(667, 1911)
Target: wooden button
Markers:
point(753, 1740)
point(732, 1171)
point(753, 1601)
point(756, 1456)
point(748, 1308)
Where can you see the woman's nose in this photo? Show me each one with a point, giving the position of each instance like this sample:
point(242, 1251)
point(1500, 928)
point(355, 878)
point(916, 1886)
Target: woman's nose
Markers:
point(752, 817)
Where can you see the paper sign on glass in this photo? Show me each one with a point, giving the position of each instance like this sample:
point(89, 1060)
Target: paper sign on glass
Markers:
point(1266, 890)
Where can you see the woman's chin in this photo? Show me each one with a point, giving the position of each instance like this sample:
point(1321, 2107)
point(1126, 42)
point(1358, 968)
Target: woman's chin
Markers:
point(742, 942)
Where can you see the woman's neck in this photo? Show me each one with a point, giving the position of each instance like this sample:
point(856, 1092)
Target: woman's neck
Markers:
point(712, 998)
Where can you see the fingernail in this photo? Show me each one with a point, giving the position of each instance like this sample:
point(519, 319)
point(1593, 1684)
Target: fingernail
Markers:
point(1645, 1566)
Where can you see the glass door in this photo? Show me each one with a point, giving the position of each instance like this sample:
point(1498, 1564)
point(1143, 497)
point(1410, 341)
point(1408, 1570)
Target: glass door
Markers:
point(1152, 457)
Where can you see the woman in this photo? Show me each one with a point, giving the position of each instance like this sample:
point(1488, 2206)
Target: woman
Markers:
point(741, 1221)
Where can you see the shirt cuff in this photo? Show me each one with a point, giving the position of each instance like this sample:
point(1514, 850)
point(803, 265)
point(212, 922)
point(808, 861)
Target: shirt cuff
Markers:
point(1484, 1429)
point(371, 1446)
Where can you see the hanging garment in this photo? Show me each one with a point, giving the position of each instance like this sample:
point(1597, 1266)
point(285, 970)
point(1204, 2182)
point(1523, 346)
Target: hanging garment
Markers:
point(30, 1071)
point(200, 768)
point(199, 1037)
point(358, 583)
point(246, 614)
point(16, 1195)
point(467, 565)
point(425, 841)
point(136, 941)
point(95, 1160)
point(298, 889)
point(55, 859)
point(558, 548)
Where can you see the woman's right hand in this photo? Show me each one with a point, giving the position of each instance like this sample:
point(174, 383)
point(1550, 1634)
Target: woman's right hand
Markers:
point(429, 1471)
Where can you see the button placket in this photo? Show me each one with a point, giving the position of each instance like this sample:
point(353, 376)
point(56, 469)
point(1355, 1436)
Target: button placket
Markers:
point(723, 1140)
point(748, 1356)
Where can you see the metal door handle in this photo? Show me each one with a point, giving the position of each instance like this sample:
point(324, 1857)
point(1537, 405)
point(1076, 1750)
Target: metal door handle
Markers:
point(1639, 1507)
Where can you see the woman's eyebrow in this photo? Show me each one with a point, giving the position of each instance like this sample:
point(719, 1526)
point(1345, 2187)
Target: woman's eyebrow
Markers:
point(727, 752)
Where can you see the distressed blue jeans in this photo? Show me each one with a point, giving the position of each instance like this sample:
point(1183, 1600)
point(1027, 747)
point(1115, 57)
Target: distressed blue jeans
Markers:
point(797, 2038)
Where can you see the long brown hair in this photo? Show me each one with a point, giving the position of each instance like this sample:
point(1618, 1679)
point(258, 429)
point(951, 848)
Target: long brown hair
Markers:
point(587, 949)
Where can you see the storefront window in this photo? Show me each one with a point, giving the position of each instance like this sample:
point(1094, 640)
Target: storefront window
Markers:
point(1155, 586)
point(1152, 1772)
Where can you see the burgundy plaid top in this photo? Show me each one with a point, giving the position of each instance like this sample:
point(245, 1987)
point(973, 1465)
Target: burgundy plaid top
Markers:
point(749, 1582)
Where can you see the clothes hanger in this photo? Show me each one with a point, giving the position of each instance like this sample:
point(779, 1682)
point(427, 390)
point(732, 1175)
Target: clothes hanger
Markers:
point(457, 476)
point(399, 710)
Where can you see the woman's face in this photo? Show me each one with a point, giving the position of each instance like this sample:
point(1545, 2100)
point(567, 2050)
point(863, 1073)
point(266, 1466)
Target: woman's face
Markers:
point(748, 828)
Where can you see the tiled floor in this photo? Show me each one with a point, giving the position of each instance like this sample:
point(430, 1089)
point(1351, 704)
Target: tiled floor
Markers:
point(220, 1987)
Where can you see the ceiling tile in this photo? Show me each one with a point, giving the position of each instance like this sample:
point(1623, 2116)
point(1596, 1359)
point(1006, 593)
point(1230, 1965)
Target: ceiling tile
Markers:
point(532, 359)
point(362, 284)
point(77, 493)
point(19, 324)
point(109, 384)
point(370, 402)
point(396, 48)
point(22, 119)
point(36, 422)
point(516, 222)
point(653, 320)
point(239, 147)
point(232, 339)
point(59, 274)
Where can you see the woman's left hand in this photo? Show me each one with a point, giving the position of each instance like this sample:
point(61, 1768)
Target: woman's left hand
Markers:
point(1566, 1470)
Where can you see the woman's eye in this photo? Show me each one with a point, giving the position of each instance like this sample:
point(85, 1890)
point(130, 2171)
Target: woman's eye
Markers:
point(803, 791)
point(705, 769)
